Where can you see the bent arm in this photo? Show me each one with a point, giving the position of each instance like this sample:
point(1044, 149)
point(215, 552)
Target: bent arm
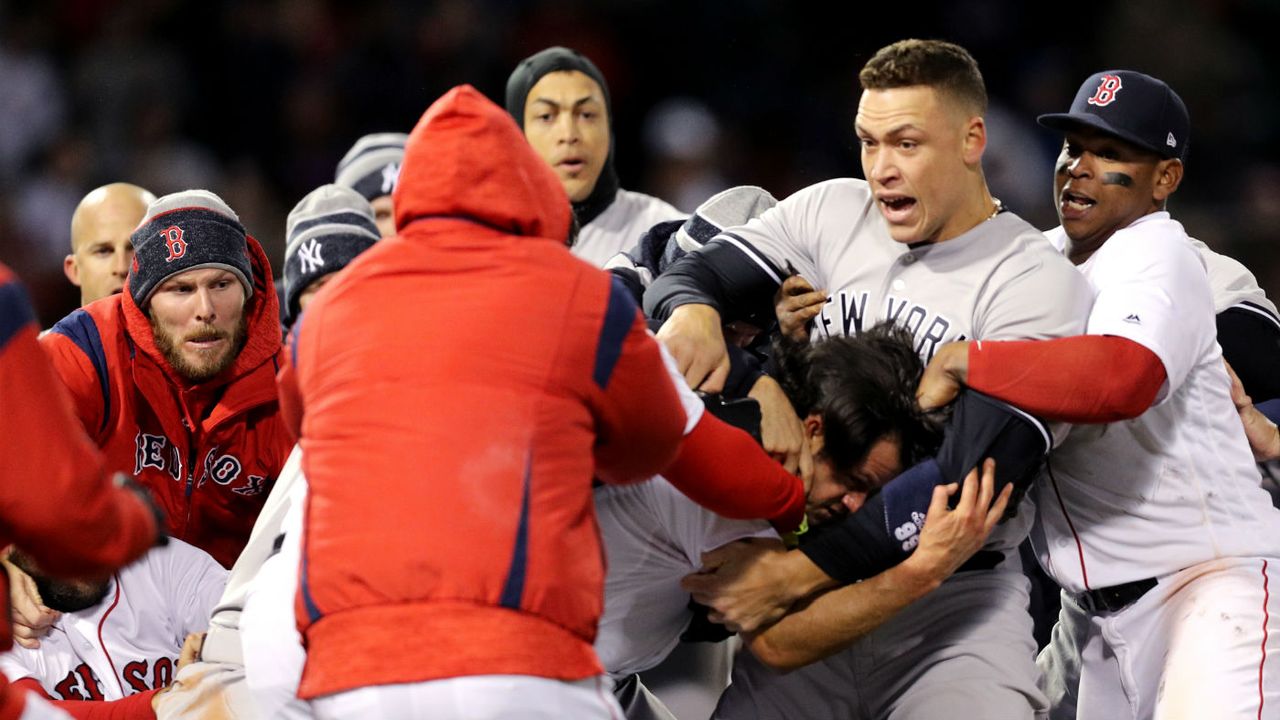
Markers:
point(59, 502)
point(886, 530)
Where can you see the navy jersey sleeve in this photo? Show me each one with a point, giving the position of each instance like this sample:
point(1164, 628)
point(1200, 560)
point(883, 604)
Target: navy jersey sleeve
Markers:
point(1250, 340)
point(719, 274)
point(887, 527)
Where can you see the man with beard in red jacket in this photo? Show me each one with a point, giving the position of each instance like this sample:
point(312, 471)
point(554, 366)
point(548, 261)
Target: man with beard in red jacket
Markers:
point(174, 379)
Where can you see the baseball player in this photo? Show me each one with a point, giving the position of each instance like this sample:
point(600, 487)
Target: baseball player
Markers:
point(56, 500)
point(371, 167)
point(175, 378)
point(1154, 525)
point(921, 243)
point(326, 230)
point(118, 639)
point(561, 101)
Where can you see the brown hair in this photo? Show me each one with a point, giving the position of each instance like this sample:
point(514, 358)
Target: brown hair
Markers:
point(935, 63)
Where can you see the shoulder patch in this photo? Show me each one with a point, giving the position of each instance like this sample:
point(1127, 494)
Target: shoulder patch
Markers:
point(80, 328)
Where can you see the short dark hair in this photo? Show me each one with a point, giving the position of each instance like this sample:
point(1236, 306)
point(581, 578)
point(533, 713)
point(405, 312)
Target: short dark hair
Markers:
point(863, 387)
point(935, 63)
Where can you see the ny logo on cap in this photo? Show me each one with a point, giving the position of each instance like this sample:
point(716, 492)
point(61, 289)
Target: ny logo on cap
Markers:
point(173, 241)
point(309, 254)
point(1106, 92)
point(389, 174)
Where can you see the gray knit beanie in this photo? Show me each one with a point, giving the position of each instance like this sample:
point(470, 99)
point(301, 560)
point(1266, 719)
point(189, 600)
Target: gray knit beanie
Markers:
point(326, 230)
point(372, 166)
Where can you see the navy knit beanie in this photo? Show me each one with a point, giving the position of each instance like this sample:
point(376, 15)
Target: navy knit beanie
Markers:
point(326, 230)
point(185, 231)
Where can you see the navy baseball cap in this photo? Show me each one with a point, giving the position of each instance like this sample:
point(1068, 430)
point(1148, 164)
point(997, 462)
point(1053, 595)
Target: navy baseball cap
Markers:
point(1134, 107)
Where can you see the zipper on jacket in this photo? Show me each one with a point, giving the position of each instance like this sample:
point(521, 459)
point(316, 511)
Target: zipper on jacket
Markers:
point(192, 452)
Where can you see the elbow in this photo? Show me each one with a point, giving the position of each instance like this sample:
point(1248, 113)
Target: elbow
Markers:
point(776, 656)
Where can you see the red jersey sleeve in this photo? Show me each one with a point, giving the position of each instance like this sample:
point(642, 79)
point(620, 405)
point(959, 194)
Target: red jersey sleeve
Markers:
point(640, 418)
point(56, 500)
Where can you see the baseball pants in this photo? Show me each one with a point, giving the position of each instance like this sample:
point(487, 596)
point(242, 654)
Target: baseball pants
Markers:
point(965, 650)
point(1204, 642)
point(480, 697)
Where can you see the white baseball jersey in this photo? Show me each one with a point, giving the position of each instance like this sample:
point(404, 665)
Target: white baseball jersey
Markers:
point(1176, 486)
point(1230, 281)
point(620, 226)
point(1001, 280)
point(129, 642)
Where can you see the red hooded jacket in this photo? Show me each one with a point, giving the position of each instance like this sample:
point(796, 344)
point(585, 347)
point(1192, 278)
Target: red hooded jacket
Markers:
point(458, 386)
point(55, 498)
point(209, 452)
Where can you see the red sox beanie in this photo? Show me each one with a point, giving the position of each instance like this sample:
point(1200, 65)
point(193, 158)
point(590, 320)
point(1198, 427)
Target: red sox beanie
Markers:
point(326, 229)
point(186, 231)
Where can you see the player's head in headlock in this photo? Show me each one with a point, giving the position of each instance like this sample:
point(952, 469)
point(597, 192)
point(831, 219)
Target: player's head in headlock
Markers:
point(856, 397)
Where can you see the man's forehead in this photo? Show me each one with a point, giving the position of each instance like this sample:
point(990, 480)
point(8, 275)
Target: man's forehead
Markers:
point(1093, 137)
point(886, 109)
point(566, 86)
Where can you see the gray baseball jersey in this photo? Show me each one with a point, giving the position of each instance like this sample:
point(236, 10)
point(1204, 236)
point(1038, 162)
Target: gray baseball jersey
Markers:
point(1000, 280)
point(620, 226)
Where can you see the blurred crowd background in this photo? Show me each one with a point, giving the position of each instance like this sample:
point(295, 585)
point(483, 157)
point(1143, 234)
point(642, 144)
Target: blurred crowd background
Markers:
point(258, 99)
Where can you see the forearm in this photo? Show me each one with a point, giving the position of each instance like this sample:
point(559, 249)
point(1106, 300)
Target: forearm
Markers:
point(1082, 379)
point(836, 619)
point(133, 707)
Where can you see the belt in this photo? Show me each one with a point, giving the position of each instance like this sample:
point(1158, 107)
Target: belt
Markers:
point(982, 560)
point(1114, 598)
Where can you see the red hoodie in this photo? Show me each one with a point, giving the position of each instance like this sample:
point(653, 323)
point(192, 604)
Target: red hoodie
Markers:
point(55, 499)
point(458, 386)
point(208, 452)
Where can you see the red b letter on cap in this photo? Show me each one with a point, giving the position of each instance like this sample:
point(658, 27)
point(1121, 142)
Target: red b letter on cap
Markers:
point(173, 240)
point(1106, 92)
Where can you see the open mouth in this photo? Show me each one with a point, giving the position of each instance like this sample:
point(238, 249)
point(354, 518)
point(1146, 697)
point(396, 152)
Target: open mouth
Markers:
point(896, 207)
point(1074, 204)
